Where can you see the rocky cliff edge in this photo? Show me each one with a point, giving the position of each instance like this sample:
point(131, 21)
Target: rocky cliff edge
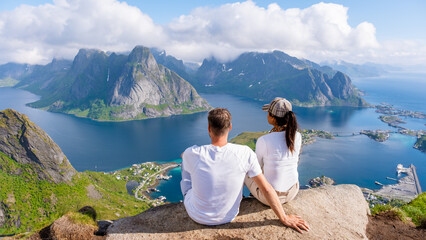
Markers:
point(26, 143)
point(333, 212)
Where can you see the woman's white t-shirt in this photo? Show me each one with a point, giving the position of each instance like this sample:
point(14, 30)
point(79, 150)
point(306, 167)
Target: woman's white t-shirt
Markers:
point(278, 163)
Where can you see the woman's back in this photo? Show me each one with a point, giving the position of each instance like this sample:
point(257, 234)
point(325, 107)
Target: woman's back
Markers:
point(278, 162)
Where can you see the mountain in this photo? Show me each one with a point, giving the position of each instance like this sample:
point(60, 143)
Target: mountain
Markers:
point(42, 78)
point(26, 143)
point(264, 76)
point(11, 72)
point(171, 63)
point(363, 70)
point(113, 87)
point(38, 183)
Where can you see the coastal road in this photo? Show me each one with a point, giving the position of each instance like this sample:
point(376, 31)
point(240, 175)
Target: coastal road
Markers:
point(416, 180)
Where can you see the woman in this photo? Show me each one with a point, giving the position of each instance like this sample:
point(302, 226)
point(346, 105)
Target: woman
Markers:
point(278, 152)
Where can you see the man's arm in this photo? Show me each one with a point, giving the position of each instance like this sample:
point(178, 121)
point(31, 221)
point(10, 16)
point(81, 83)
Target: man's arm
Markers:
point(271, 196)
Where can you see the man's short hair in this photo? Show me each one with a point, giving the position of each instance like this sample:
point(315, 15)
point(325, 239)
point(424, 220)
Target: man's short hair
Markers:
point(219, 121)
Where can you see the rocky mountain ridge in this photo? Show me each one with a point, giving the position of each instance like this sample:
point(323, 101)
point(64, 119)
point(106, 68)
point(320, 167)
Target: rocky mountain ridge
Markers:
point(113, 87)
point(263, 76)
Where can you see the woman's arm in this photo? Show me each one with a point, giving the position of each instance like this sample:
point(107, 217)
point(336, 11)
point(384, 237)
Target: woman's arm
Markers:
point(271, 196)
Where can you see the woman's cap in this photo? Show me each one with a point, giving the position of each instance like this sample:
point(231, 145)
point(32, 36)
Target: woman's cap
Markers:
point(278, 107)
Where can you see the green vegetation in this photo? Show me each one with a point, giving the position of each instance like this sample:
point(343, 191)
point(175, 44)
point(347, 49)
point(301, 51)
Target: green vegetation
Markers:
point(98, 110)
point(31, 204)
point(80, 218)
point(416, 209)
point(378, 135)
point(248, 138)
point(308, 137)
point(421, 143)
point(8, 82)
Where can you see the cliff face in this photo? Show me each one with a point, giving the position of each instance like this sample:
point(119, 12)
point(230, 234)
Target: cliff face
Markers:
point(114, 87)
point(26, 143)
point(144, 83)
point(333, 212)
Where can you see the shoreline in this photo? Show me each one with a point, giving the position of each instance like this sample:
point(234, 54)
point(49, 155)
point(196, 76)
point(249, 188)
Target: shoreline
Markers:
point(147, 175)
point(406, 189)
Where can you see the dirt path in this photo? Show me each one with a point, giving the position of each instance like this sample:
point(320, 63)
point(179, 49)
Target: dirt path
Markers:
point(388, 226)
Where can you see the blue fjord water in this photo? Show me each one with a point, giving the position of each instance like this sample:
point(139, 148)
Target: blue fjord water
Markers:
point(107, 146)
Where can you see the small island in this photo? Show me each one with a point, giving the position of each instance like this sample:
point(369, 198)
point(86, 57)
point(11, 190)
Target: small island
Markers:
point(308, 135)
point(321, 181)
point(392, 120)
point(388, 109)
point(377, 135)
point(421, 143)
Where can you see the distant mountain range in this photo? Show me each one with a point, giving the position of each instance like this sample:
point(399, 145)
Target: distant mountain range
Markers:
point(150, 83)
point(363, 70)
point(111, 87)
point(264, 76)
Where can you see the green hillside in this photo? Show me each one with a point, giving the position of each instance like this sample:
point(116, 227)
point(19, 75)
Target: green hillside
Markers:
point(30, 204)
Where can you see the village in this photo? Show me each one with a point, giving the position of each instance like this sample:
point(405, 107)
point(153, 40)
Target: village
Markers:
point(146, 176)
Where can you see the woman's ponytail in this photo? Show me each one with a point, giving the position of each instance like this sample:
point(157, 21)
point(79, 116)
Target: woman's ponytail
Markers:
point(290, 130)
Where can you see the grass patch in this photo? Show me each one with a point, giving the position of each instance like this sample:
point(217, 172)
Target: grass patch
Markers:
point(79, 218)
point(248, 138)
point(416, 209)
point(8, 82)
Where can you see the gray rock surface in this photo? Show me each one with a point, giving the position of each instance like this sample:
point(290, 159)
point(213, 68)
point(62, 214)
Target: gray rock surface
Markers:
point(26, 143)
point(144, 84)
point(333, 212)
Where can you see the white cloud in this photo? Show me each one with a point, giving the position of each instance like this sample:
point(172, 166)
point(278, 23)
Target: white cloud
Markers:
point(36, 34)
point(310, 32)
point(320, 32)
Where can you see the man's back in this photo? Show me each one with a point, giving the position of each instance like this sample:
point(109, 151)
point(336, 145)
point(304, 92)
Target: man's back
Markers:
point(212, 181)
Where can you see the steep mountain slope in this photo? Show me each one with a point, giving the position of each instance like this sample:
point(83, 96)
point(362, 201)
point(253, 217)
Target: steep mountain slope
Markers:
point(115, 87)
point(38, 184)
point(264, 76)
point(26, 143)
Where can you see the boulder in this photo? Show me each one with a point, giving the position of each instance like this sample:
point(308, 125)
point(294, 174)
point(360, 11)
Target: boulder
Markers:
point(333, 212)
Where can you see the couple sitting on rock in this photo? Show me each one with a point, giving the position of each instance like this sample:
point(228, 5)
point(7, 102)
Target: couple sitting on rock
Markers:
point(213, 175)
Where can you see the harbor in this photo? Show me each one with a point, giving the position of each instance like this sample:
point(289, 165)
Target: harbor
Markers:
point(406, 189)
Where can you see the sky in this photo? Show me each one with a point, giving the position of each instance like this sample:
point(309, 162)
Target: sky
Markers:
point(357, 31)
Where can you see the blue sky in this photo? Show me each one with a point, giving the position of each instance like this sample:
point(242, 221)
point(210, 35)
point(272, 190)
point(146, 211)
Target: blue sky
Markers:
point(379, 31)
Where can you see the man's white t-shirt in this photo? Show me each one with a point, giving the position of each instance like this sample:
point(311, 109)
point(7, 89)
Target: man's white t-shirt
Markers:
point(212, 181)
point(278, 163)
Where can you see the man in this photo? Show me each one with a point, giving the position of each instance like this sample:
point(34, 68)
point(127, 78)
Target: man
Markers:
point(213, 177)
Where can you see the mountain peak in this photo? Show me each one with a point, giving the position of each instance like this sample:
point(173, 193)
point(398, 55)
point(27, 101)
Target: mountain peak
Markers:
point(140, 54)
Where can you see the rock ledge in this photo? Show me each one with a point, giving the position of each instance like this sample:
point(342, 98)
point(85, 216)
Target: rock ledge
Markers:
point(333, 212)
